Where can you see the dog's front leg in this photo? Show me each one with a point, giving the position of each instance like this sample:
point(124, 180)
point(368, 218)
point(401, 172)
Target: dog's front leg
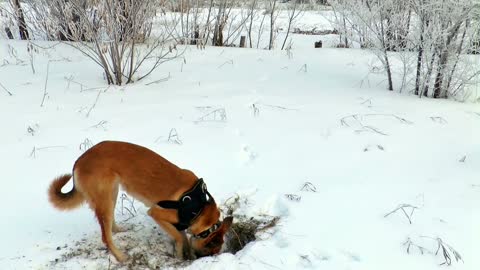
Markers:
point(165, 218)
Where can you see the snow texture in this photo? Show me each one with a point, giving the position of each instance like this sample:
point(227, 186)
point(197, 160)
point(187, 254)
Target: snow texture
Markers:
point(314, 139)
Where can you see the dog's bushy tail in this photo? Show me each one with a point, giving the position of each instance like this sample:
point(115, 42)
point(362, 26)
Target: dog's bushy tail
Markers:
point(64, 201)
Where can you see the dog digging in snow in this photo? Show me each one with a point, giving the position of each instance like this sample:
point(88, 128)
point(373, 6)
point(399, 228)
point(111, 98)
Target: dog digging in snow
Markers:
point(177, 199)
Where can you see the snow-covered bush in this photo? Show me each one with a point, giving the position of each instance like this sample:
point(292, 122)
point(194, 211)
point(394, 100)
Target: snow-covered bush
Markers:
point(117, 35)
point(437, 33)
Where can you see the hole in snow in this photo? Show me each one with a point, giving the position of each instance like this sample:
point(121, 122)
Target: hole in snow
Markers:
point(245, 230)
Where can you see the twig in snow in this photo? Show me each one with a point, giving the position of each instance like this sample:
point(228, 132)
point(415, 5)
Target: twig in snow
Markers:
point(4, 88)
point(438, 119)
point(203, 107)
point(36, 149)
point(100, 124)
point(218, 115)
point(344, 121)
point(256, 110)
point(227, 62)
point(308, 186)
point(359, 117)
point(378, 146)
point(96, 100)
point(173, 137)
point(275, 106)
point(268, 264)
point(409, 243)
point(32, 129)
point(130, 208)
point(71, 80)
point(293, 197)
point(85, 145)
point(306, 259)
point(45, 87)
point(303, 68)
point(34, 152)
point(13, 54)
point(372, 129)
point(183, 62)
point(31, 50)
point(83, 87)
point(161, 80)
point(463, 159)
point(403, 207)
point(447, 251)
point(365, 80)
point(367, 102)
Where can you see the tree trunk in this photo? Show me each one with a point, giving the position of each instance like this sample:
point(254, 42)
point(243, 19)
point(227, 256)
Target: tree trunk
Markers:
point(22, 26)
point(459, 52)
point(419, 60)
point(439, 91)
point(389, 71)
point(419, 67)
point(385, 56)
point(272, 25)
point(217, 39)
point(290, 21)
point(345, 27)
point(390, 37)
point(254, 4)
point(428, 76)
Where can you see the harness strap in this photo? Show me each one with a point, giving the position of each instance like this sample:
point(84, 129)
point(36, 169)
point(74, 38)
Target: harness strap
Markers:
point(190, 204)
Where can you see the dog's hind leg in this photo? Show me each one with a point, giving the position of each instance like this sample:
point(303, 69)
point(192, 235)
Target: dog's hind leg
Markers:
point(104, 213)
point(115, 227)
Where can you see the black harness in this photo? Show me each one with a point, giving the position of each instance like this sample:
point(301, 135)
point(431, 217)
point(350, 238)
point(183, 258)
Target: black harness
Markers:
point(190, 204)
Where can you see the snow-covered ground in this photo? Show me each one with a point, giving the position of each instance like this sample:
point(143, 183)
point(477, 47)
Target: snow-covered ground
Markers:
point(318, 116)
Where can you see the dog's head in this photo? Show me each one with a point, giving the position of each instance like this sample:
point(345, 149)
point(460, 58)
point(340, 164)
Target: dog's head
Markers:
point(208, 231)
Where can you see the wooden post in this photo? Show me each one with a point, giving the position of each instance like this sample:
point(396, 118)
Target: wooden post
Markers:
point(242, 41)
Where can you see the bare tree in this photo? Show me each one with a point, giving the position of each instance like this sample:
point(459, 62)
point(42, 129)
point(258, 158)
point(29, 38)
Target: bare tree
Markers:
point(438, 31)
point(252, 10)
point(273, 16)
point(444, 27)
point(372, 15)
point(294, 11)
point(114, 34)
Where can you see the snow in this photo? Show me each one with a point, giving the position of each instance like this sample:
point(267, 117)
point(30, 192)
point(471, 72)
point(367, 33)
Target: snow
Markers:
point(398, 149)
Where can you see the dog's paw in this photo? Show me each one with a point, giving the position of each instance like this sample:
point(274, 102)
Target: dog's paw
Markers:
point(179, 254)
point(188, 253)
point(118, 229)
point(121, 257)
point(183, 252)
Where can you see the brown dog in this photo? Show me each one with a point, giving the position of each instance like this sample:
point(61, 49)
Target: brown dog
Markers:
point(176, 197)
